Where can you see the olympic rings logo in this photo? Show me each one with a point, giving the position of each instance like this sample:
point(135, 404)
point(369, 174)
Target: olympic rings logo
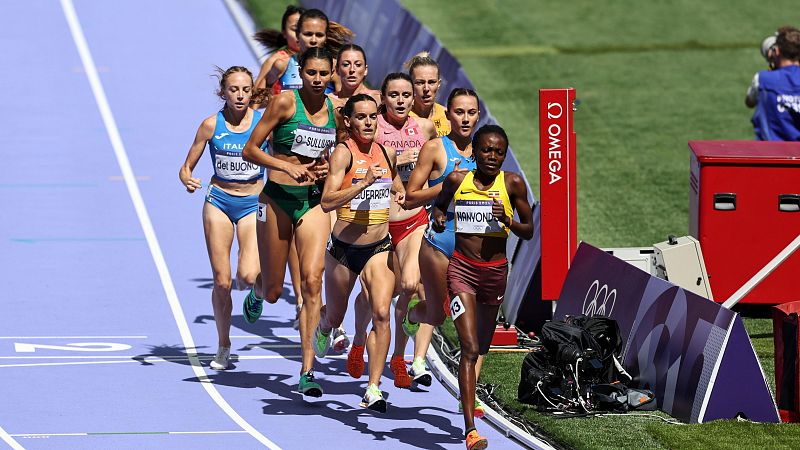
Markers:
point(599, 303)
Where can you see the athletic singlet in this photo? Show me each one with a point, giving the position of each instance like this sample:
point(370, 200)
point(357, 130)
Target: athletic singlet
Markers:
point(370, 206)
point(225, 148)
point(409, 137)
point(439, 119)
point(452, 157)
point(301, 137)
point(473, 207)
point(291, 76)
point(290, 80)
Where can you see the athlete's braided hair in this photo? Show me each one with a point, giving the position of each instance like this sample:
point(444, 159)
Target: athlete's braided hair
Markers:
point(274, 39)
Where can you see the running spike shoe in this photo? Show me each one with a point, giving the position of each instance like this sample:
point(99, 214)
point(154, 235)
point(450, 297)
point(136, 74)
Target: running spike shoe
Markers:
point(419, 374)
point(410, 328)
point(308, 386)
point(475, 441)
point(477, 412)
point(340, 340)
point(355, 361)
point(398, 367)
point(222, 360)
point(322, 341)
point(252, 306)
point(373, 399)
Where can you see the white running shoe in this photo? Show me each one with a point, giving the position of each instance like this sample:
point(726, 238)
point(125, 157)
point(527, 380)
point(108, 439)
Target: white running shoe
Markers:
point(373, 399)
point(340, 340)
point(419, 374)
point(222, 360)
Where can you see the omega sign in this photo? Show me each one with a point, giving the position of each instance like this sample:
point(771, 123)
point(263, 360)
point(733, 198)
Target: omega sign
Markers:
point(555, 149)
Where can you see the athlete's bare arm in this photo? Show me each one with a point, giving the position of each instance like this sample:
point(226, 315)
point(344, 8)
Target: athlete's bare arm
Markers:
point(518, 195)
point(427, 127)
point(427, 163)
point(449, 186)
point(204, 133)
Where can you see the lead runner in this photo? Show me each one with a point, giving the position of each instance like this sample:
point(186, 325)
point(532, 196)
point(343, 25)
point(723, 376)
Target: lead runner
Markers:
point(485, 200)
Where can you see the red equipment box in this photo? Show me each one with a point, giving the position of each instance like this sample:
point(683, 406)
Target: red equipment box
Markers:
point(744, 208)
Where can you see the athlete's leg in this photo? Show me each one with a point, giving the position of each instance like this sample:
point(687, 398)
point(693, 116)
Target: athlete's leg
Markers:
point(467, 327)
point(294, 274)
point(219, 238)
point(247, 266)
point(339, 281)
point(311, 236)
point(378, 278)
point(363, 313)
point(407, 252)
point(274, 236)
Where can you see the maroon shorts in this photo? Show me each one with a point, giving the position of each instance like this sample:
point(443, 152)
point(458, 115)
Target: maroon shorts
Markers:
point(485, 280)
point(402, 228)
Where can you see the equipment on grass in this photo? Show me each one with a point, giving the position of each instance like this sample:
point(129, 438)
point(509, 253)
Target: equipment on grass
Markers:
point(575, 355)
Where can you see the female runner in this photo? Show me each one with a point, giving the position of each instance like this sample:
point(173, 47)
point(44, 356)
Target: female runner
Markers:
point(232, 197)
point(285, 45)
point(359, 188)
point(351, 67)
point(303, 130)
point(407, 135)
point(424, 72)
point(438, 158)
point(313, 30)
point(485, 200)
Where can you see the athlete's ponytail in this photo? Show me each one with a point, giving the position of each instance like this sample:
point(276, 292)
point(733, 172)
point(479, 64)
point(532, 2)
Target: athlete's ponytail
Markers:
point(274, 39)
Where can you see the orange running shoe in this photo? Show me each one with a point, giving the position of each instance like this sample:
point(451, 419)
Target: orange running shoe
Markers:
point(475, 441)
point(398, 366)
point(355, 361)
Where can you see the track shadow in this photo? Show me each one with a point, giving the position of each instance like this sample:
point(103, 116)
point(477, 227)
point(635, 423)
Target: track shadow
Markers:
point(175, 354)
point(437, 431)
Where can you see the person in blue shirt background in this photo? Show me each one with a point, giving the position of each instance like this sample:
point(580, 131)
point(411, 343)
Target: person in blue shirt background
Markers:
point(775, 93)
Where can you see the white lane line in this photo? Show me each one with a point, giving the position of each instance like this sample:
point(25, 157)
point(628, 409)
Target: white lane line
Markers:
point(10, 440)
point(73, 337)
point(144, 220)
point(145, 433)
point(167, 359)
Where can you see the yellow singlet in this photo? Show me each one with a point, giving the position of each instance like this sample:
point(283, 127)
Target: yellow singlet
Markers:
point(439, 119)
point(473, 207)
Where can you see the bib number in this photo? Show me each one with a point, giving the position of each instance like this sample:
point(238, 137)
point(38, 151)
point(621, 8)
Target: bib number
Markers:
point(475, 217)
point(377, 196)
point(261, 212)
point(456, 307)
point(312, 141)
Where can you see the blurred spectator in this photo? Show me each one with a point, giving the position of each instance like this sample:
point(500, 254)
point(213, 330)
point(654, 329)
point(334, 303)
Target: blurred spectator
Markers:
point(775, 93)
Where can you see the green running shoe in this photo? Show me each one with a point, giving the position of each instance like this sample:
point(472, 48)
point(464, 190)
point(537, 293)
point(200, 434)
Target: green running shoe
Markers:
point(252, 306)
point(410, 328)
point(322, 341)
point(308, 386)
point(478, 412)
point(373, 399)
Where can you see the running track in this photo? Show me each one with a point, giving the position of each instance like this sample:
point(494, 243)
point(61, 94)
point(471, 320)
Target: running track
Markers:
point(105, 316)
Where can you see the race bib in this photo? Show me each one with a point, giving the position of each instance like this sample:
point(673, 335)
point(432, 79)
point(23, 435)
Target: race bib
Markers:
point(475, 216)
point(231, 166)
point(376, 196)
point(404, 171)
point(312, 141)
point(456, 307)
point(261, 212)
